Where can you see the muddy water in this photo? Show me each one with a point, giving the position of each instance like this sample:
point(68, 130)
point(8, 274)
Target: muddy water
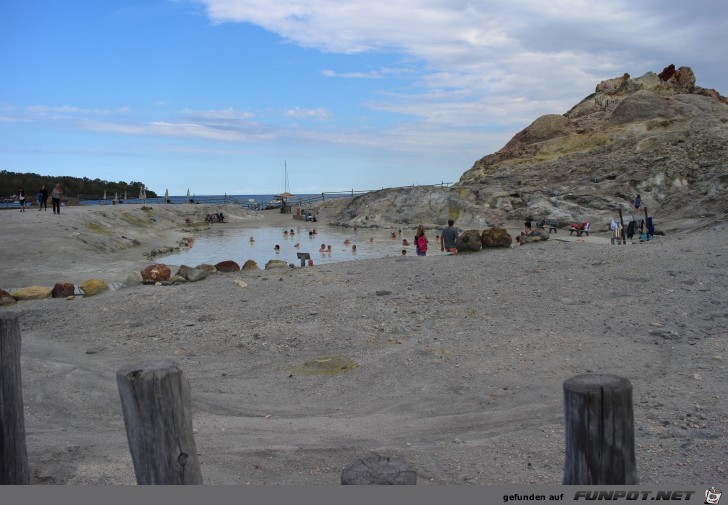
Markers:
point(221, 243)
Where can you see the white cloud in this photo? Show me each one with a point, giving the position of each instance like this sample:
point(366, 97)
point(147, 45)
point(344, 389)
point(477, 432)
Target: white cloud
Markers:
point(320, 114)
point(188, 130)
point(548, 53)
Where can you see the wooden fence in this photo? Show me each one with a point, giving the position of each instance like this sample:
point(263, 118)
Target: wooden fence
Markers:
point(156, 404)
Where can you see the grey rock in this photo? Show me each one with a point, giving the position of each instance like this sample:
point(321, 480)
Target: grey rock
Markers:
point(197, 274)
point(470, 240)
point(666, 140)
point(134, 279)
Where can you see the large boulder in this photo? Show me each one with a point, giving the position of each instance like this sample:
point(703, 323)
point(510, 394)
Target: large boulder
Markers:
point(250, 265)
point(31, 293)
point(182, 271)
point(155, 273)
point(276, 264)
point(6, 298)
point(62, 290)
point(469, 241)
point(93, 286)
point(197, 274)
point(227, 266)
point(134, 279)
point(193, 274)
point(536, 236)
point(496, 237)
point(206, 266)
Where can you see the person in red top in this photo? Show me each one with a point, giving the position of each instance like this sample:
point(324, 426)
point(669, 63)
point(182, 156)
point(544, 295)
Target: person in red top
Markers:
point(421, 241)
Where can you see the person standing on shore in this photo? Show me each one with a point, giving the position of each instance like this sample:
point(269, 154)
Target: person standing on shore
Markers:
point(421, 241)
point(21, 199)
point(637, 203)
point(56, 197)
point(448, 238)
point(43, 198)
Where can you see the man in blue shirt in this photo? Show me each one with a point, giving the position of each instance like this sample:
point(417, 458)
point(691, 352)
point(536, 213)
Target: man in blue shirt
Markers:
point(448, 237)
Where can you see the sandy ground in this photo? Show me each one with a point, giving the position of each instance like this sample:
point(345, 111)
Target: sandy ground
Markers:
point(459, 360)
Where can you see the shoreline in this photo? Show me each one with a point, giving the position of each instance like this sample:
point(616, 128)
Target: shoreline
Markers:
point(110, 242)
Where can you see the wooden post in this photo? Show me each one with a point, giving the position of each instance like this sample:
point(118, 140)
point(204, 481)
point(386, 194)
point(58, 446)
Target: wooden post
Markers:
point(379, 470)
point(13, 453)
point(155, 400)
point(599, 426)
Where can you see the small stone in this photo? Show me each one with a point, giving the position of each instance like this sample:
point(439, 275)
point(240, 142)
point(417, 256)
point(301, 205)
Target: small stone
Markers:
point(383, 292)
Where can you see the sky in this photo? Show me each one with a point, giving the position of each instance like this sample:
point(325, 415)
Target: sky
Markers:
point(222, 96)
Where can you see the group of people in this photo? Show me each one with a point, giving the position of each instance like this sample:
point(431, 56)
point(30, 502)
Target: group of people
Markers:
point(43, 199)
point(446, 240)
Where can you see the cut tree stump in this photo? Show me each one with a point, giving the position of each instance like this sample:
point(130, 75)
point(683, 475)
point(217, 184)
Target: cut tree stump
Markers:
point(599, 424)
point(13, 452)
point(155, 400)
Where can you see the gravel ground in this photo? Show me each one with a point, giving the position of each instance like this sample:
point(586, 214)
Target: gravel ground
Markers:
point(458, 361)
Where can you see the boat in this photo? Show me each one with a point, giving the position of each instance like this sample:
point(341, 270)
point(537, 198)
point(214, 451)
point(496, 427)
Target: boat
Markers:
point(281, 201)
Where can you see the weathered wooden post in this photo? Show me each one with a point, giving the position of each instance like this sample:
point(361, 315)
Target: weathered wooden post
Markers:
point(599, 424)
point(155, 400)
point(13, 453)
point(379, 470)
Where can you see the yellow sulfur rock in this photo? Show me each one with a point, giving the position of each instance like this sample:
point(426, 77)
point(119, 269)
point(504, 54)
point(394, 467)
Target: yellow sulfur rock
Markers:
point(93, 286)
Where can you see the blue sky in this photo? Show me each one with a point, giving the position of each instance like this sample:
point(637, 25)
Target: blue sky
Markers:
point(216, 95)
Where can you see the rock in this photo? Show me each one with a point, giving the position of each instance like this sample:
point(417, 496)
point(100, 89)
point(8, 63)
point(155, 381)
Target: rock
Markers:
point(62, 290)
point(496, 237)
point(611, 86)
point(250, 265)
point(93, 286)
point(536, 236)
point(177, 279)
point(227, 266)
point(6, 298)
point(383, 292)
point(156, 273)
point(134, 279)
point(182, 271)
point(197, 274)
point(667, 73)
point(240, 283)
point(469, 241)
point(206, 266)
point(664, 139)
point(685, 78)
point(31, 293)
point(276, 264)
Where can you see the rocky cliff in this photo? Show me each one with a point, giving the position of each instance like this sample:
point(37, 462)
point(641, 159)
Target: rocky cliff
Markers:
point(658, 135)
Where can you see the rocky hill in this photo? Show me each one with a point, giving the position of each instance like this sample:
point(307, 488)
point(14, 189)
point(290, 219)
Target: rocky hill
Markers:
point(658, 135)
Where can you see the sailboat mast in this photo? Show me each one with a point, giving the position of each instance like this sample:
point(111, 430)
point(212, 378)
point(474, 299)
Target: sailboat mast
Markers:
point(286, 189)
